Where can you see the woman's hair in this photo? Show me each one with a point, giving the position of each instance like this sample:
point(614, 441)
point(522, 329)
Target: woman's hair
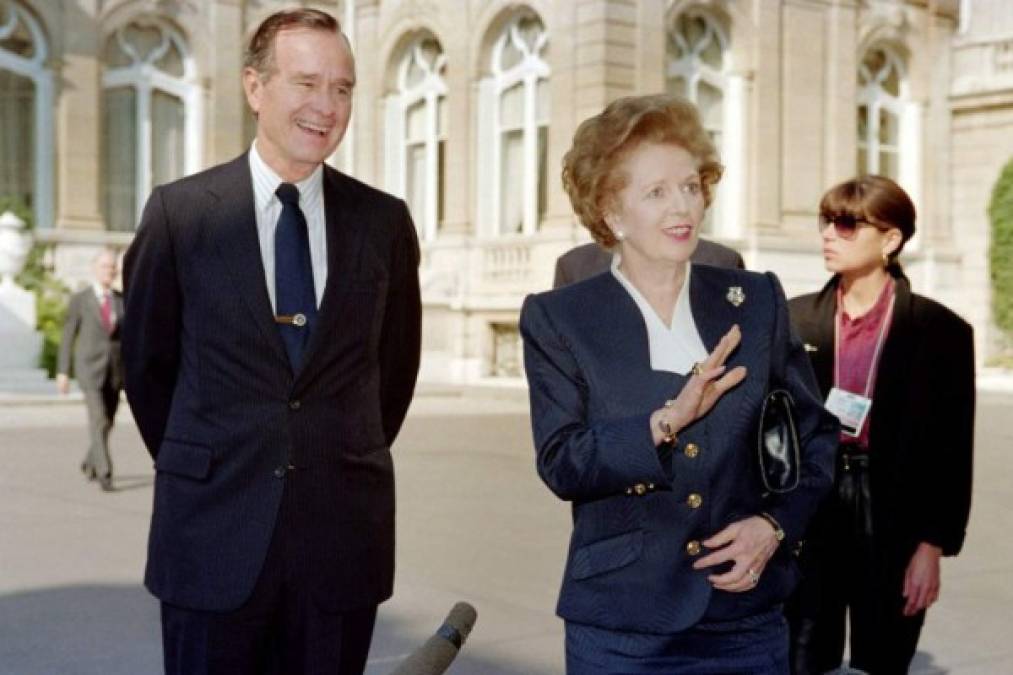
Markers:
point(591, 175)
point(260, 52)
point(874, 199)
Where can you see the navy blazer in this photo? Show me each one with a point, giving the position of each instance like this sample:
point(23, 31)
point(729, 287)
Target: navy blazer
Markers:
point(592, 391)
point(224, 415)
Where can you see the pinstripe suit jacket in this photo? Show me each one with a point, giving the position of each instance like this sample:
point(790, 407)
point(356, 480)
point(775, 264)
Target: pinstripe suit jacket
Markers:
point(592, 393)
point(223, 414)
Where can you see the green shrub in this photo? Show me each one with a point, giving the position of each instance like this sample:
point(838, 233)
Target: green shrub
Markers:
point(1000, 213)
point(50, 293)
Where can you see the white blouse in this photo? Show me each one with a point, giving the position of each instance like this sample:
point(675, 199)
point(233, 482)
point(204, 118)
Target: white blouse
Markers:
point(676, 347)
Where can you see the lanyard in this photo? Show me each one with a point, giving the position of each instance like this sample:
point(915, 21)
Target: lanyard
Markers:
point(880, 339)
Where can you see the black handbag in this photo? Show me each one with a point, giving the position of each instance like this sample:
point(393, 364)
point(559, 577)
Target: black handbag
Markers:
point(777, 443)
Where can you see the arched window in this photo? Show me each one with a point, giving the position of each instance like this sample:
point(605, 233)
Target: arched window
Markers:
point(513, 119)
point(882, 91)
point(697, 63)
point(26, 108)
point(151, 121)
point(416, 134)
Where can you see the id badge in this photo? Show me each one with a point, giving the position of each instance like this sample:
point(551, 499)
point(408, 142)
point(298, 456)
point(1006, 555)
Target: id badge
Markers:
point(851, 409)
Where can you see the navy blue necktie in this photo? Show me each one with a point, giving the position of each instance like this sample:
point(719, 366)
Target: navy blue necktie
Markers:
point(294, 296)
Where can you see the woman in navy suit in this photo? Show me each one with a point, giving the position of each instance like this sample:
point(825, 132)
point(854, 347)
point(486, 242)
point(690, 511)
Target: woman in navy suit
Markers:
point(646, 384)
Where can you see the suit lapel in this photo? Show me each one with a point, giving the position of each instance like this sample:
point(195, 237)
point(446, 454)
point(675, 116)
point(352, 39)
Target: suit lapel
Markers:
point(714, 314)
point(895, 361)
point(344, 241)
point(821, 333)
point(233, 225)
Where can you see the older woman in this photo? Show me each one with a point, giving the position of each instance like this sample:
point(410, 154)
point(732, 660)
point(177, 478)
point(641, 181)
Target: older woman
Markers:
point(898, 369)
point(646, 388)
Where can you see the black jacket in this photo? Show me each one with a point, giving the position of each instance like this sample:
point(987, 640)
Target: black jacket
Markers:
point(224, 415)
point(921, 437)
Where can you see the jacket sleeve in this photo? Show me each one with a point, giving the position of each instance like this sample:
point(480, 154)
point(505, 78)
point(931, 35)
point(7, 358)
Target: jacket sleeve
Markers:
point(151, 330)
point(818, 430)
point(71, 325)
point(944, 468)
point(401, 337)
point(576, 459)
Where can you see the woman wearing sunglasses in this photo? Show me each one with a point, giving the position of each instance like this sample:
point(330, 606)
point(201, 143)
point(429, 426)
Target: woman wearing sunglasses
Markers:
point(898, 371)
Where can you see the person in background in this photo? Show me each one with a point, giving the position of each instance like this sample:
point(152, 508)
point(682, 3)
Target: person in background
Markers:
point(587, 260)
point(646, 386)
point(271, 357)
point(898, 370)
point(90, 348)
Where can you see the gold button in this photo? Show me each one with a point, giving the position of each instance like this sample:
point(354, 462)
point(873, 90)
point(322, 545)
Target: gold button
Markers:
point(691, 450)
point(693, 547)
point(694, 500)
point(640, 489)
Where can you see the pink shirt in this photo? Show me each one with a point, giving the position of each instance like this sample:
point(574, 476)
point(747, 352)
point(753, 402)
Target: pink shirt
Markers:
point(856, 345)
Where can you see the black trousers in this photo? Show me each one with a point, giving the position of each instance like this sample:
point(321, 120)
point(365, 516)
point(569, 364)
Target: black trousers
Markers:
point(280, 630)
point(847, 570)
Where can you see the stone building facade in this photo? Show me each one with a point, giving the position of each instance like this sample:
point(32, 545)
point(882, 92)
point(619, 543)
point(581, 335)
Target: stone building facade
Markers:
point(466, 107)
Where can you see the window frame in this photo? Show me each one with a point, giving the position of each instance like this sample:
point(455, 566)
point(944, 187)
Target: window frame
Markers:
point(528, 72)
point(429, 91)
point(36, 70)
point(145, 78)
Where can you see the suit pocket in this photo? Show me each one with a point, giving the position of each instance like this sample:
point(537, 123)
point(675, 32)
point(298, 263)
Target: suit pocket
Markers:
point(606, 555)
point(184, 459)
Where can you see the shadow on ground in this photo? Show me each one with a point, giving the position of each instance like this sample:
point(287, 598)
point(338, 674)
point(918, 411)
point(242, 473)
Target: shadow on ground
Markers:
point(114, 630)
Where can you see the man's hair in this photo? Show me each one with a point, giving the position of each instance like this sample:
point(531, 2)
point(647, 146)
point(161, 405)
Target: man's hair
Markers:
point(260, 52)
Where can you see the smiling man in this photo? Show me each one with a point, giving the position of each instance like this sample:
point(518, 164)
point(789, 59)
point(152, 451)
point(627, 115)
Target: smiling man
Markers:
point(270, 361)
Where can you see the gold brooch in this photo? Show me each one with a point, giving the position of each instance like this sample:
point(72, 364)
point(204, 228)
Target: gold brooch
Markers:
point(735, 295)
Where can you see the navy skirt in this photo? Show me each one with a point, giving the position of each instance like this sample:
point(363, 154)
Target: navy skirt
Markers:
point(757, 645)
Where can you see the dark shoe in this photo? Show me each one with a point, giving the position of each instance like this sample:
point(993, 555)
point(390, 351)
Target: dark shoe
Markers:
point(88, 470)
point(106, 483)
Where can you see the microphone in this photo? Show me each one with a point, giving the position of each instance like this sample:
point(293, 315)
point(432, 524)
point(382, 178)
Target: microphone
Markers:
point(435, 656)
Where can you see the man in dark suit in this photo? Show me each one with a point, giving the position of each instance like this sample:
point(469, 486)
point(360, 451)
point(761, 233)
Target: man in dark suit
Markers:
point(91, 348)
point(587, 260)
point(271, 364)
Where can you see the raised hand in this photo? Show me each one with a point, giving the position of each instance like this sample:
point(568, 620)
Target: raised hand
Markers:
point(708, 383)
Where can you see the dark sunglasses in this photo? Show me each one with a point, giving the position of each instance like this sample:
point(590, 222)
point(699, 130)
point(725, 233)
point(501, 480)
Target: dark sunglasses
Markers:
point(845, 225)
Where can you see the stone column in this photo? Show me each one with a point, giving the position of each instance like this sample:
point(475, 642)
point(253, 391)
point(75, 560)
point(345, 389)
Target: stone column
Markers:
point(368, 106)
point(226, 103)
point(458, 178)
point(79, 126)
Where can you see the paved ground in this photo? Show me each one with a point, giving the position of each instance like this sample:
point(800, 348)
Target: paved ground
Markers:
point(473, 524)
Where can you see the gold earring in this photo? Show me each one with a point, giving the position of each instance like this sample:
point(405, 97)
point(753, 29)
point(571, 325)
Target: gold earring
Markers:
point(886, 259)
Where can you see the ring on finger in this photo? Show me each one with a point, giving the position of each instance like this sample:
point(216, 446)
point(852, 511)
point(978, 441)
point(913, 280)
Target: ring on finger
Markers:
point(697, 369)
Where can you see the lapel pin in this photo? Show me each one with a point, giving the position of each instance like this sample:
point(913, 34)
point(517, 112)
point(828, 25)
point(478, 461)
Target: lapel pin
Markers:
point(735, 295)
point(809, 347)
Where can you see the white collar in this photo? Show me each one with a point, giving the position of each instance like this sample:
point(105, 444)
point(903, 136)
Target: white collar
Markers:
point(266, 181)
point(675, 347)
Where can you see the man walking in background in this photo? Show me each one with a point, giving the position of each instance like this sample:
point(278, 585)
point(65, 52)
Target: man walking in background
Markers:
point(90, 347)
point(271, 355)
